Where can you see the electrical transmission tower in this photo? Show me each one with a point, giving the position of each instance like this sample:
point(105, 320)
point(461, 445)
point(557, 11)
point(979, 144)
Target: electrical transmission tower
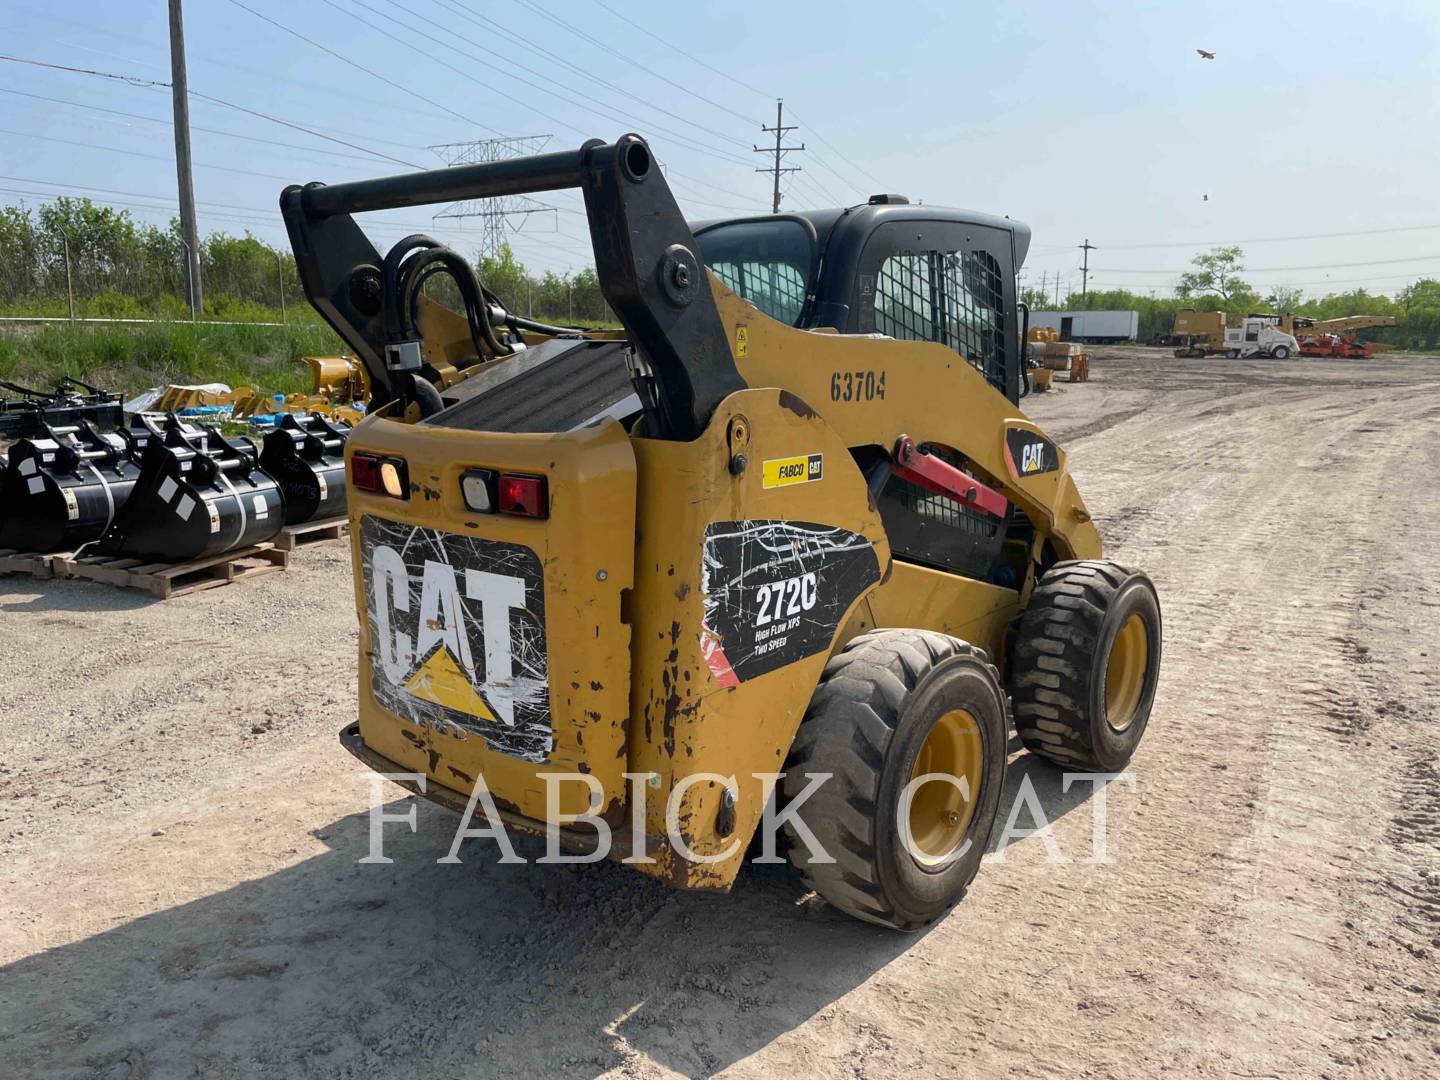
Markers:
point(495, 214)
point(778, 150)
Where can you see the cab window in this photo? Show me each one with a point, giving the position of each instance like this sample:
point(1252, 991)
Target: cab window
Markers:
point(954, 298)
point(766, 262)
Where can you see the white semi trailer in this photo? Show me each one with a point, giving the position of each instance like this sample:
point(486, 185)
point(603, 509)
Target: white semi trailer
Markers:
point(1094, 327)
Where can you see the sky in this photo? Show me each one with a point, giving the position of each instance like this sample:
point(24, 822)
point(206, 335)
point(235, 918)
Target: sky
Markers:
point(1088, 121)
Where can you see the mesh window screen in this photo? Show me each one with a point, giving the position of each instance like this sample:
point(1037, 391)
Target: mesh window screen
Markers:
point(953, 298)
point(777, 289)
point(938, 508)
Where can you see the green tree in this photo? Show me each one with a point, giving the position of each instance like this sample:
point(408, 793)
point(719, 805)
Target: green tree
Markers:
point(1285, 298)
point(1037, 300)
point(1217, 273)
point(504, 276)
point(19, 253)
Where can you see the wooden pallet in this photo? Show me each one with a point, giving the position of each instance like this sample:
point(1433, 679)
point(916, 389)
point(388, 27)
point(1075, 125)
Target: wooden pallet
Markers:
point(36, 564)
point(169, 580)
point(312, 532)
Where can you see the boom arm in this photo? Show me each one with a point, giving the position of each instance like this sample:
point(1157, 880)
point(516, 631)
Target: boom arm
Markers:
point(1341, 326)
point(645, 257)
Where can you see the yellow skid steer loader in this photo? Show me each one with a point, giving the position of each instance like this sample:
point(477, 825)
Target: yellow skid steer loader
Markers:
point(783, 547)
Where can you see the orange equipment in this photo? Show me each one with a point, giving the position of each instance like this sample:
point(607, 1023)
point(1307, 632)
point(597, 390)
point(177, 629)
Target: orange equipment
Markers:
point(1348, 346)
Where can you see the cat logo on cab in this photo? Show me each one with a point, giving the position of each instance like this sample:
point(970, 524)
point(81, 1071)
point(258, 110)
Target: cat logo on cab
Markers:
point(1028, 453)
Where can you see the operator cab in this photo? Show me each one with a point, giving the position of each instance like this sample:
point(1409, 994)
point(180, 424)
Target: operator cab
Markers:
point(888, 267)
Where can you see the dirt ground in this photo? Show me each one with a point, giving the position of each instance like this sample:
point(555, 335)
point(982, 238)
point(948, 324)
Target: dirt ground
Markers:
point(179, 891)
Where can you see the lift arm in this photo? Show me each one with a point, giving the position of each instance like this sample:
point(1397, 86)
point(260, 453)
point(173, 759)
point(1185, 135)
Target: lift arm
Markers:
point(645, 257)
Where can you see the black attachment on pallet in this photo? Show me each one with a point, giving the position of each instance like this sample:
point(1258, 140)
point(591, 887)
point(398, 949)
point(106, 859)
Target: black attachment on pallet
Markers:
point(64, 487)
point(306, 457)
point(70, 402)
point(197, 495)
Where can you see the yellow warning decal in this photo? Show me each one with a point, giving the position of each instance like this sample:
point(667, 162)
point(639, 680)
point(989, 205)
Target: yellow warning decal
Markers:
point(742, 345)
point(440, 681)
point(781, 472)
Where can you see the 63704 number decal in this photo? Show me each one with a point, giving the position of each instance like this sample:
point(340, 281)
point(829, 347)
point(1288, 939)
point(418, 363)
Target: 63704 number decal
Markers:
point(865, 385)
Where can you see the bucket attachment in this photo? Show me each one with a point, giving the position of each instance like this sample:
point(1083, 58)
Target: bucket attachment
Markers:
point(306, 457)
point(64, 487)
point(197, 495)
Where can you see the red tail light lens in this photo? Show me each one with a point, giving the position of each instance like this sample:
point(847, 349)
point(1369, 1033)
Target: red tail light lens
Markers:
point(524, 496)
point(382, 475)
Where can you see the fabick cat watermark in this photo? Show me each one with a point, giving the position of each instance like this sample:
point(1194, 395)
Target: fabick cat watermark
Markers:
point(1022, 814)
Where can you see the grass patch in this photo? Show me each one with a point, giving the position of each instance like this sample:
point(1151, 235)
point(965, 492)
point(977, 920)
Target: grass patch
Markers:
point(128, 359)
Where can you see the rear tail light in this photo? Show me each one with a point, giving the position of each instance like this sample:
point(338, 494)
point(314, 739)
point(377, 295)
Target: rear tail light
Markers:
point(382, 475)
point(524, 496)
point(477, 486)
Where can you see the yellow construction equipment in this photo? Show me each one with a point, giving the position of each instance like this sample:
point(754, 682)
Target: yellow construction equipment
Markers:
point(176, 398)
point(1198, 333)
point(1302, 326)
point(786, 535)
point(338, 389)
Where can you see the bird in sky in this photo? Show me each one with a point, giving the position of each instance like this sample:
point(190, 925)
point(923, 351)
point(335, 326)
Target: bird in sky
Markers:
point(1205, 55)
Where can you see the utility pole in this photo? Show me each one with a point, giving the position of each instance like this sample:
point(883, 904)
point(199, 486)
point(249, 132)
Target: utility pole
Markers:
point(181, 94)
point(1086, 247)
point(779, 151)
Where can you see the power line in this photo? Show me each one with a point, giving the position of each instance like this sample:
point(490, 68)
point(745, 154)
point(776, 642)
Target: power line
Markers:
point(636, 63)
point(457, 8)
point(148, 83)
point(838, 153)
point(622, 119)
point(1275, 239)
point(361, 67)
point(138, 154)
point(729, 76)
point(194, 127)
point(133, 80)
point(1283, 269)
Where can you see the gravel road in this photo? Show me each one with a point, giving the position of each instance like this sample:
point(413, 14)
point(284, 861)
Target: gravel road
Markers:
point(179, 828)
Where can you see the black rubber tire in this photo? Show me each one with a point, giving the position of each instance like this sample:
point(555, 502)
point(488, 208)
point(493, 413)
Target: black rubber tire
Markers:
point(878, 700)
point(1233, 354)
point(1062, 646)
point(1281, 352)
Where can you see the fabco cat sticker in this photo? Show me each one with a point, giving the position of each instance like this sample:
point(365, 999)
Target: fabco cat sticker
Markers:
point(782, 472)
point(457, 634)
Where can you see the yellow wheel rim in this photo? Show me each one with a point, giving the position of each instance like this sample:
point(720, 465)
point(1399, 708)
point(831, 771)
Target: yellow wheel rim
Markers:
point(940, 811)
point(1125, 673)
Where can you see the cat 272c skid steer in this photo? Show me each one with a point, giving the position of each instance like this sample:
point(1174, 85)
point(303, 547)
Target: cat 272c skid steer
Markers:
point(785, 536)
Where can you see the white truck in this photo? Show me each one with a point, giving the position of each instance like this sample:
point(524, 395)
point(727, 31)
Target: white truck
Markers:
point(1258, 337)
point(1092, 327)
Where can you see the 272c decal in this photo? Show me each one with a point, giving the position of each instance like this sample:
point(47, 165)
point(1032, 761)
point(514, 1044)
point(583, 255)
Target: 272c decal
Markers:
point(775, 591)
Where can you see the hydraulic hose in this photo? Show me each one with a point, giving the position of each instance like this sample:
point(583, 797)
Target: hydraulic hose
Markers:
point(389, 282)
point(472, 292)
